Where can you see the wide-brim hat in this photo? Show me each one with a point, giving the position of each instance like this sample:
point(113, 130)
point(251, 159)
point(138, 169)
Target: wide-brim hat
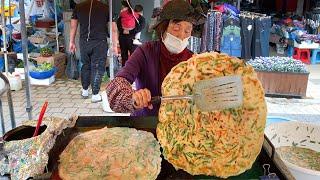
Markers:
point(176, 10)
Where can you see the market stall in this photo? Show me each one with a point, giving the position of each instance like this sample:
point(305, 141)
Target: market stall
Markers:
point(195, 143)
point(183, 141)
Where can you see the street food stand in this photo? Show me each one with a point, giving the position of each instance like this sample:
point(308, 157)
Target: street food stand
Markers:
point(267, 158)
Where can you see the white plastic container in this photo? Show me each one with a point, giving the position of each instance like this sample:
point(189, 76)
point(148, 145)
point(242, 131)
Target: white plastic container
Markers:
point(20, 71)
point(2, 84)
point(106, 107)
point(42, 82)
point(288, 133)
point(15, 82)
point(105, 103)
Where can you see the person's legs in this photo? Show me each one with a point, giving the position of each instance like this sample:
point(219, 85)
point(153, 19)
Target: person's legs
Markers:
point(86, 68)
point(98, 64)
point(124, 49)
point(131, 45)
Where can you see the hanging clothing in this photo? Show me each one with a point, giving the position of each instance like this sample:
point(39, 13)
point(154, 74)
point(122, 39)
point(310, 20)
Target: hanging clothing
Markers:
point(247, 29)
point(245, 36)
point(217, 31)
point(204, 37)
point(231, 41)
point(194, 44)
point(255, 33)
point(231, 36)
point(210, 32)
point(211, 35)
point(260, 45)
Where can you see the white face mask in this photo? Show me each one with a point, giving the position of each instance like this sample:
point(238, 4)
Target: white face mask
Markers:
point(174, 44)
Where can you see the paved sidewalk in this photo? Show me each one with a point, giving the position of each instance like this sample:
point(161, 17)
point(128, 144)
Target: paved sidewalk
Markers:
point(64, 101)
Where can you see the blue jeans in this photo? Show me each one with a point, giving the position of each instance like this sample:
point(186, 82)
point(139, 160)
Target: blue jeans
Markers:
point(264, 36)
point(261, 36)
point(247, 29)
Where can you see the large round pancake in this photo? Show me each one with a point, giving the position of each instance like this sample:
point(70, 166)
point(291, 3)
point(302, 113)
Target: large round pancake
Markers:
point(219, 143)
point(111, 153)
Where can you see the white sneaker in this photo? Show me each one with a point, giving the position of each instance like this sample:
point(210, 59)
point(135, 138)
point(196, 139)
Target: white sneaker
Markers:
point(137, 42)
point(96, 98)
point(85, 93)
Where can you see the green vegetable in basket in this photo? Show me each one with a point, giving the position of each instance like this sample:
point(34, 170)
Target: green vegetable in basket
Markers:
point(46, 52)
point(43, 67)
point(20, 64)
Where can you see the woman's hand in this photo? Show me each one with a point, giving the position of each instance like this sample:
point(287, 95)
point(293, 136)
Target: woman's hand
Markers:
point(72, 47)
point(141, 99)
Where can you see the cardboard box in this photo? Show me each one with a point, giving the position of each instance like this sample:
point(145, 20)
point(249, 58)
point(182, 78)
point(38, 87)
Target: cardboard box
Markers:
point(58, 60)
point(42, 82)
point(12, 55)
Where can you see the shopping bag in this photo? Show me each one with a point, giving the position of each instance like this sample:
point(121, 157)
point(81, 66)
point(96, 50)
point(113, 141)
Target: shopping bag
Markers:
point(72, 71)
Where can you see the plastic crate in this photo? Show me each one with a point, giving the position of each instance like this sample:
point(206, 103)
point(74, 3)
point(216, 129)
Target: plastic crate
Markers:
point(6, 10)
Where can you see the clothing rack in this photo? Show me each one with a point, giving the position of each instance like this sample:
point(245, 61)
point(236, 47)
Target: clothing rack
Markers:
point(252, 14)
point(255, 33)
point(245, 35)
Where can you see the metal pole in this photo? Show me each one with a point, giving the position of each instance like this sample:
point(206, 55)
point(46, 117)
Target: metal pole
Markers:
point(10, 19)
point(25, 57)
point(3, 129)
point(238, 4)
point(29, 12)
point(111, 43)
point(10, 103)
point(56, 21)
point(5, 53)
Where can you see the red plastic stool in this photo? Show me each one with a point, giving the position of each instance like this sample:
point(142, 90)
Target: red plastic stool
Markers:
point(302, 55)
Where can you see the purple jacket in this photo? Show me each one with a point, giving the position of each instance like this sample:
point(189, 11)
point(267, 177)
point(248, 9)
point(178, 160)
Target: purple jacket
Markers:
point(143, 68)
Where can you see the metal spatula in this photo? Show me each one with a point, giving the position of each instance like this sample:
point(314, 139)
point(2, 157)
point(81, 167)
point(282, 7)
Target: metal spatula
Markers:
point(212, 94)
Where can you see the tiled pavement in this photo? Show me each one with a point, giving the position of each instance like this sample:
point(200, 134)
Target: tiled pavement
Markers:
point(65, 100)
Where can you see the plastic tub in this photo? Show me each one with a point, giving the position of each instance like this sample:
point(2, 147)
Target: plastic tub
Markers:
point(302, 135)
point(43, 75)
point(274, 119)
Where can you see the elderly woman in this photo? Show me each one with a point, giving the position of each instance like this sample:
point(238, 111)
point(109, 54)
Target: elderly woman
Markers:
point(151, 62)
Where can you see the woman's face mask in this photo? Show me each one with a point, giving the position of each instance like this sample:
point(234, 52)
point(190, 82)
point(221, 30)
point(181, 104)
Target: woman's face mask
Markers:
point(174, 44)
